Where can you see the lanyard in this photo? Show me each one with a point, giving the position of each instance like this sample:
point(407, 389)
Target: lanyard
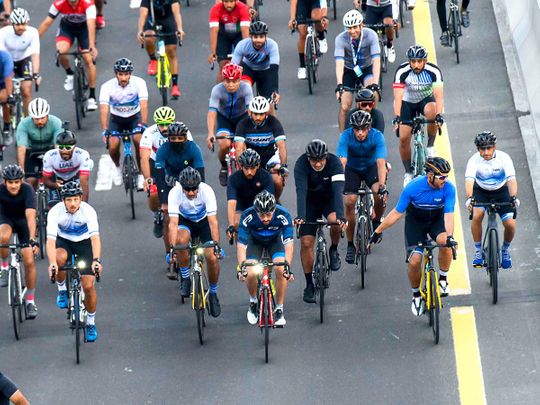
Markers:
point(357, 56)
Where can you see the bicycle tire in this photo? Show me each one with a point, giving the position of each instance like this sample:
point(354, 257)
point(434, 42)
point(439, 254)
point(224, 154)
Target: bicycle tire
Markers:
point(494, 264)
point(335, 11)
point(198, 306)
point(42, 225)
point(162, 81)
point(455, 32)
point(77, 97)
point(77, 322)
point(419, 160)
point(129, 182)
point(384, 59)
point(16, 311)
point(401, 10)
point(18, 113)
point(266, 326)
point(435, 307)
point(362, 248)
point(308, 59)
point(321, 272)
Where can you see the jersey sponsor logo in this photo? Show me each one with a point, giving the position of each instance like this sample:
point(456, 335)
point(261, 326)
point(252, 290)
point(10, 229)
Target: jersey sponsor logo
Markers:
point(283, 219)
point(258, 184)
point(247, 220)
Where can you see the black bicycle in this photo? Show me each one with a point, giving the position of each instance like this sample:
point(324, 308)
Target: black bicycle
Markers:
point(311, 52)
point(80, 83)
point(454, 26)
point(42, 194)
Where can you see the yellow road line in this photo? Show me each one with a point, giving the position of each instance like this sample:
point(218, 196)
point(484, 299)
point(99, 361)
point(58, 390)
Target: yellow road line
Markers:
point(459, 276)
point(468, 365)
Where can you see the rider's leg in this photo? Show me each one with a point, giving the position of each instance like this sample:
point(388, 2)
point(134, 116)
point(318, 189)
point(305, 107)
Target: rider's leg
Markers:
point(346, 102)
point(430, 111)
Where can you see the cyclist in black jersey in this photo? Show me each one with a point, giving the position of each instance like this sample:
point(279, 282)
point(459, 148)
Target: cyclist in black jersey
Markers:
point(443, 20)
point(319, 182)
point(365, 100)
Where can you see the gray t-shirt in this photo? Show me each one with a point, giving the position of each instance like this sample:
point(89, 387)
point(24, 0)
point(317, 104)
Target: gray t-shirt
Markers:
point(256, 59)
point(368, 44)
point(230, 105)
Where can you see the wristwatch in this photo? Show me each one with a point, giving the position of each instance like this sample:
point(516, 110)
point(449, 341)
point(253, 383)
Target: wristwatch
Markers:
point(97, 260)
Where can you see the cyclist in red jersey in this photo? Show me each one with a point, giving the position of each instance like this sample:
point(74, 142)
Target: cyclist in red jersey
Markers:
point(78, 22)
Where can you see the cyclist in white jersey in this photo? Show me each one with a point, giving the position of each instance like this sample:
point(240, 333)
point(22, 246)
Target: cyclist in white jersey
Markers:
point(72, 229)
point(64, 163)
point(490, 176)
point(193, 215)
point(126, 98)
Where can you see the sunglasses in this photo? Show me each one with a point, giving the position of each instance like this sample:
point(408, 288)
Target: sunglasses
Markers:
point(65, 147)
point(440, 177)
point(190, 189)
point(485, 147)
point(366, 104)
point(362, 128)
point(176, 138)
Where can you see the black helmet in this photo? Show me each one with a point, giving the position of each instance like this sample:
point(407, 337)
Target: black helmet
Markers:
point(365, 95)
point(71, 189)
point(360, 118)
point(249, 159)
point(316, 149)
point(417, 52)
point(66, 138)
point(177, 129)
point(190, 178)
point(437, 165)
point(265, 202)
point(12, 172)
point(258, 28)
point(485, 138)
point(123, 65)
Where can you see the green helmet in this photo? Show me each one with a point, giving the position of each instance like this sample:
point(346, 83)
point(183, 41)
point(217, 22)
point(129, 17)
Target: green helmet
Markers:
point(164, 116)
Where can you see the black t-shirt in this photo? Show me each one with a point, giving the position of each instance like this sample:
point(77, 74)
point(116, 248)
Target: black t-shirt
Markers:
point(7, 389)
point(262, 138)
point(162, 8)
point(14, 206)
point(377, 119)
point(242, 190)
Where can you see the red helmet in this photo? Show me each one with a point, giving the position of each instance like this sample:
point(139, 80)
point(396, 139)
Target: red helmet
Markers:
point(231, 71)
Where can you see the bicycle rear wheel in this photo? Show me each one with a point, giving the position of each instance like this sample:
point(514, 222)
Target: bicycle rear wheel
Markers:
point(494, 264)
point(362, 248)
point(308, 58)
point(16, 310)
point(455, 32)
point(435, 306)
point(77, 322)
point(198, 305)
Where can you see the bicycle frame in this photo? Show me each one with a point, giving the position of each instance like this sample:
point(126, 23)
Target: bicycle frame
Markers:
point(230, 157)
point(428, 271)
point(15, 266)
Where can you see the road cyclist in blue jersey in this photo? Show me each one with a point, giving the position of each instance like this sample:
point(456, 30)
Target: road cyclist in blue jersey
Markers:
point(429, 203)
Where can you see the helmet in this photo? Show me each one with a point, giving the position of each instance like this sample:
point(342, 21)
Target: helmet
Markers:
point(177, 128)
point(12, 172)
point(365, 95)
point(231, 71)
point(316, 149)
point(71, 189)
point(259, 105)
point(264, 202)
point(437, 165)
point(123, 65)
point(189, 178)
point(38, 108)
point(19, 16)
point(164, 115)
point(66, 138)
point(249, 159)
point(485, 138)
point(359, 118)
point(417, 52)
point(258, 28)
point(352, 18)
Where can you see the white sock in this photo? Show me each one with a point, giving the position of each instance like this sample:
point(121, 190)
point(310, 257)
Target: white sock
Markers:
point(61, 286)
point(279, 306)
point(252, 299)
point(90, 318)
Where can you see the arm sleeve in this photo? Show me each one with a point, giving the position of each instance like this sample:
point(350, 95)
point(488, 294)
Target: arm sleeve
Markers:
point(274, 76)
point(245, 16)
point(449, 198)
point(274, 54)
point(231, 189)
point(268, 182)
point(288, 231)
point(342, 147)
point(239, 134)
point(198, 161)
point(374, 49)
point(8, 65)
point(201, 172)
point(91, 12)
point(53, 11)
point(338, 184)
point(237, 54)
point(300, 180)
point(404, 200)
point(146, 139)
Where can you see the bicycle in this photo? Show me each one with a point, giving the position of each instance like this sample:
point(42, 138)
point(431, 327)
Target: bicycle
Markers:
point(42, 210)
point(402, 7)
point(311, 53)
point(429, 286)
point(454, 26)
point(490, 245)
point(16, 107)
point(419, 149)
point(16, 289)
point(80, 83)
point(230, 157)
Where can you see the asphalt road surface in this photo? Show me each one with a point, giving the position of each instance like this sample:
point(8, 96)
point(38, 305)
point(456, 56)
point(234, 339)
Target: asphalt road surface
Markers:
point(370, 349)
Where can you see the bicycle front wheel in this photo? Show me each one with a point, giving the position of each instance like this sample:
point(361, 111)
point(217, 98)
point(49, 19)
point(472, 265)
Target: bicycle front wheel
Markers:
point(435, 305)
point(308, 58)
point(266, 321)
point(419, 159)
point(494, 264)
point(401, 10)
point(16, 310)
point(77, 323)
point(198, 305)
point(335, 10)
point(361, 241)
point(78, 97)
point(129, 180)
point(42, 223)
point(455, 31)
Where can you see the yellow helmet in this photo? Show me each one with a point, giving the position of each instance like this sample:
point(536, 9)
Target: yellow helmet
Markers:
point(164, 116)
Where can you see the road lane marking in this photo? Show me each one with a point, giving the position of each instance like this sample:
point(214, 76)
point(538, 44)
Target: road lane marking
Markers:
point(105, 173)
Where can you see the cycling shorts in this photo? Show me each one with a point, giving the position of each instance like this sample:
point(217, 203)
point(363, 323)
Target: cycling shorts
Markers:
point(418, 227)
point(32, 164)
point(274, 248)
point(226, 43)
point(411, 110)
point(227, 125)
point(316, 208)
point(19, 226)
point(350, 80)
point(120, 124)
point(159, 180)
point(304, 8)
point(264, 79)
point(501, 195)
point(69, 33)
point(169, 26)
point(353, 178)
point(375, 15)
point(197, 230)
point(83, 250)
point(23, 68)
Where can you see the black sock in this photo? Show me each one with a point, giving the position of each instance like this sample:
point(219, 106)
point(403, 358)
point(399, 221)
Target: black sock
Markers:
point(153, 57)
point(69, 71)
point(92, 92)
point(350, 244)
point(223, 164)
point(174, 80)
point(407, 166)
point(388, 44)
point(321, 35)
point(333, 247)
point(6, 126)
point(309, 279)
point(416, 294)
point(302, 59)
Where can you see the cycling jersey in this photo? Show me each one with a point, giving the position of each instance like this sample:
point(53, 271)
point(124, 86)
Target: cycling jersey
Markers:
point(203, 205)
point(14, 207)
point(174, 161)
point(420, 195)
point(32, 137)
point(74, 227)
point(229, 22)
point(490, 174)
point(6, 68)
point(162, 8)
point(417, 86)
point(244, 190)
point(74, 16)
point(358, 52)
point(79, 164)
point(124, 101)
point(7, 389)
point(252, 228)
point(230, 105)
point(256, 59)
point(19, 46)
point(261, 138)
point(361, 155)
point(152, 140)
point(316, 186)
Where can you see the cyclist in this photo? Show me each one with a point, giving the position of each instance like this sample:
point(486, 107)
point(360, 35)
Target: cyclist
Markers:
point(35, 135)
point(126, 96)
point(265, 226)
point(259, 56)
point(22, 43)
point(358, 61)
point(243, 187)
point(193, 215)
point(365, 100)
point(229, 23)
point(18, 214)
point(418, 89)
point(381, 11)
point(301, 10)
point(164, 13)
point(78, 22)
point(6, 90)
point(72, 229)
point(490, 177)
point(362, 151)
point(228, 105)
point(264, 133)
point(318, 174)
point(65, 163)
point(443, 21)
point(10, 392)
point(429, 201)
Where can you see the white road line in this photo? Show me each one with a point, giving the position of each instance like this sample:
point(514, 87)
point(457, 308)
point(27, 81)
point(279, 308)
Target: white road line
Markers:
point(106, 169)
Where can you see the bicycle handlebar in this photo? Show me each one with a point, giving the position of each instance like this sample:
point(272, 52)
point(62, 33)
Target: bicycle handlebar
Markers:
point(162, 35)
point(71, 267)
point(287, 273)
point(433, 246)
point(14, 246)
point(494, 206)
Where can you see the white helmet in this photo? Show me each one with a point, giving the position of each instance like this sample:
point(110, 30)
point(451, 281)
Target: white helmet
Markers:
point(38, 108)
point(19, 16)
point(259, 105)
point(352, 18)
